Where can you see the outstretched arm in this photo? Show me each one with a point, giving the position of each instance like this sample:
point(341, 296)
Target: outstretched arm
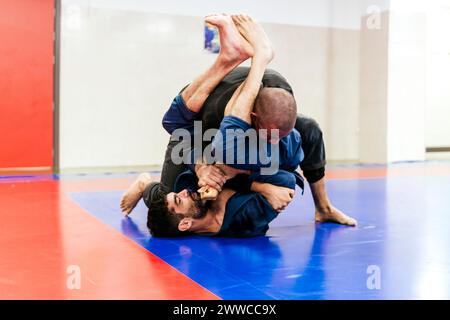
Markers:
point(241, 103)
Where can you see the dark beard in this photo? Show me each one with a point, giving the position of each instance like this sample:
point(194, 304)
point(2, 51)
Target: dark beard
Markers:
point(201, 207)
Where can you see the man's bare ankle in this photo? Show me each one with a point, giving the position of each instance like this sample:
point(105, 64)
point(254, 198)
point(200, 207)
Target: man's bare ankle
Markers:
point(324, 208)
point(227, 64)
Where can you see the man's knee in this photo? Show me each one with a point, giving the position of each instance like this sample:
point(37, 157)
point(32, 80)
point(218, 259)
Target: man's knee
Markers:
point(171, 169)
point(313, 165)
point(314, 175)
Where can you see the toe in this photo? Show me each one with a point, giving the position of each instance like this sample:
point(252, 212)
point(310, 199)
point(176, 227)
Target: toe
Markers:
point(238, 17)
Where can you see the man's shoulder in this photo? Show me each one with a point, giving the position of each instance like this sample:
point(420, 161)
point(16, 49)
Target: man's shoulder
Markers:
point(271, 73)
point(274, 79)
point(271, 78)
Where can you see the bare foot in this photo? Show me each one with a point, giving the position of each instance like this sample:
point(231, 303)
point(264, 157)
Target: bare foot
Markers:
point(335, 215)
point(233, 47)
point(255, 35)
point(132, 196)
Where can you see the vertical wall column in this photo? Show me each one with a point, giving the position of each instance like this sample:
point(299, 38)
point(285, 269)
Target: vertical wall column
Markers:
point(373, 89)
point(26, 83)
point(437, 129)
point(406, 83)
point(393, 86)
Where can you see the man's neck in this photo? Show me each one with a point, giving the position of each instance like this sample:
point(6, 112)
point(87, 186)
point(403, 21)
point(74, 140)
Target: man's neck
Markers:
point(213, 220)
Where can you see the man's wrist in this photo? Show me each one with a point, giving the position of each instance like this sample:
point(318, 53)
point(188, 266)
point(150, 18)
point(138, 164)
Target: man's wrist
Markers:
point(258, 187)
